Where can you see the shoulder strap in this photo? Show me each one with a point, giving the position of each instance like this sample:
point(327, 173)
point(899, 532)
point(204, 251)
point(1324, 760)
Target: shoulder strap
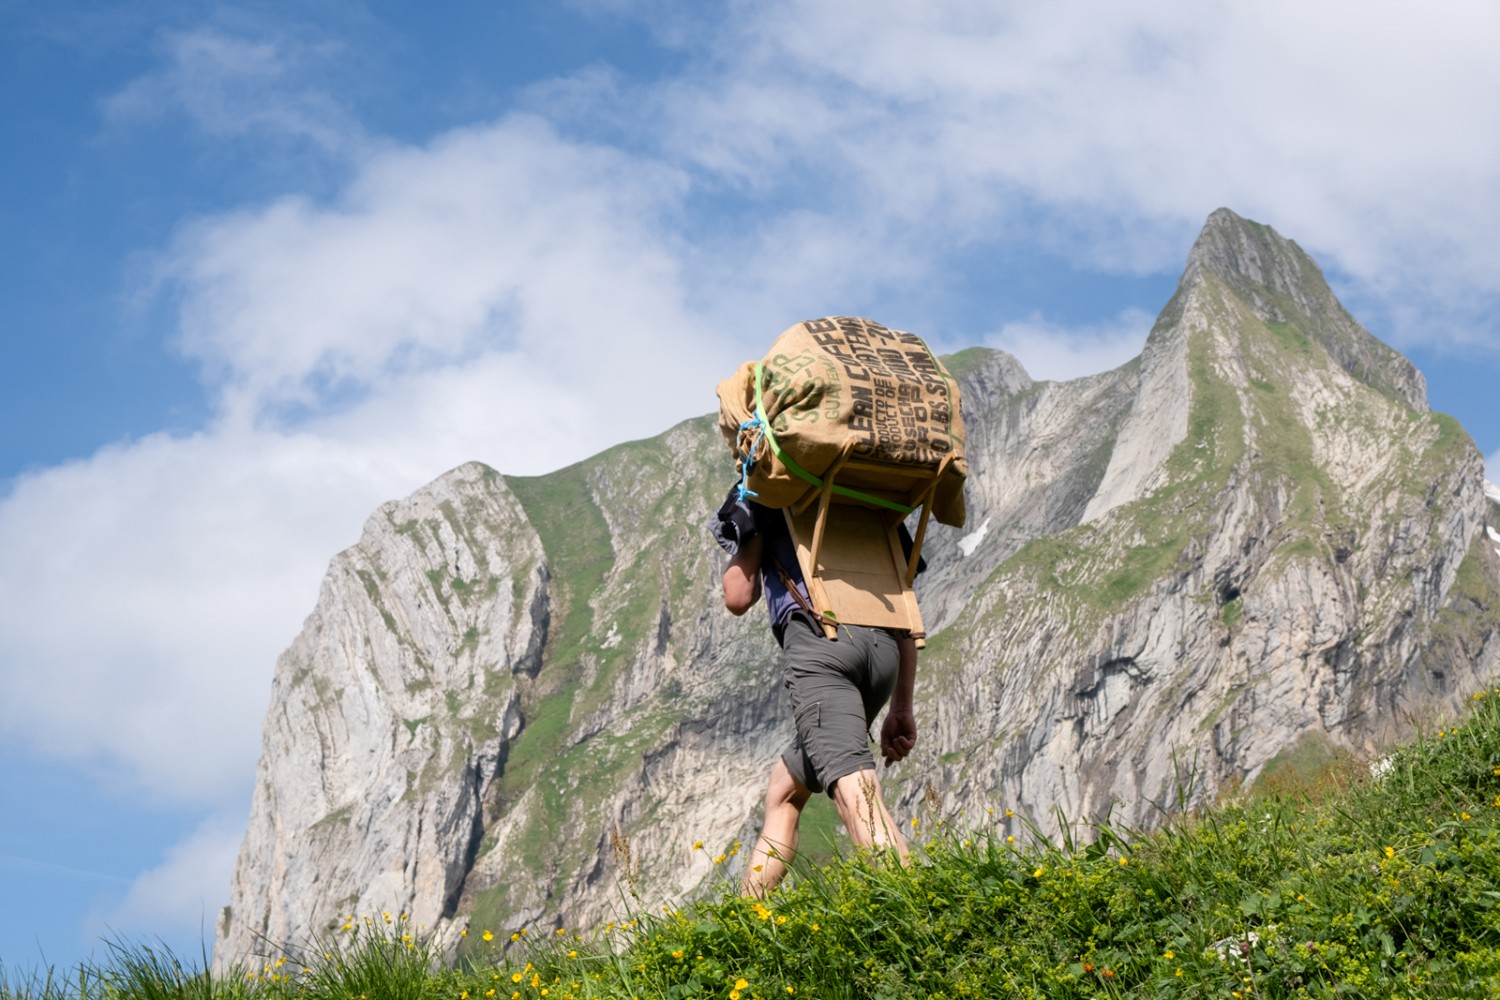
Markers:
point(796, 592)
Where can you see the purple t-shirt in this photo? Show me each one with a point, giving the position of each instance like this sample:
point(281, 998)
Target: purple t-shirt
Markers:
point(778, 553)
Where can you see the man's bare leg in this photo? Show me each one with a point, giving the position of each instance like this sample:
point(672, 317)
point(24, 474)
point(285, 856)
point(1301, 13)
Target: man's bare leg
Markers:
point(862, 808)
point(777, 843)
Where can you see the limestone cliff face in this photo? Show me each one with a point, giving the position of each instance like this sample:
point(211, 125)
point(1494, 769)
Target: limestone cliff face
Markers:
point(392, 713)
point(1250, 545)
point(1283, 558)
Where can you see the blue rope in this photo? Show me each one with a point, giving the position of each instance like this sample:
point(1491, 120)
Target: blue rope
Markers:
point(744, 489)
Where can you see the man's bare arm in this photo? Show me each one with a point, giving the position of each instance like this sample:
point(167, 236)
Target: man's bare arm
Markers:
point(898, 734)
point(742, 578)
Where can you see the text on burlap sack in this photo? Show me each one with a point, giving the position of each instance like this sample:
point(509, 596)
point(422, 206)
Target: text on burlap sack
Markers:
point(900, 407)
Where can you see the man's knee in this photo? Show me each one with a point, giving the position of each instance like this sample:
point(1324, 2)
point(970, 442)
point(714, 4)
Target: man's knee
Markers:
point(784, 788)
point(857, 786)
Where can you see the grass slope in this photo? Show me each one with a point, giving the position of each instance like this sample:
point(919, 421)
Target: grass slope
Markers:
point(1333, 883)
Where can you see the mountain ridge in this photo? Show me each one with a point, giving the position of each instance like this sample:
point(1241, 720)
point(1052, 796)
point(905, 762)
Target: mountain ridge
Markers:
point(1253, 537)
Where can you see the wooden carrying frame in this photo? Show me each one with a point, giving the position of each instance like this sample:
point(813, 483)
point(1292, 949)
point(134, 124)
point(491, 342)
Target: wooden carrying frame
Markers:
point(849, 548)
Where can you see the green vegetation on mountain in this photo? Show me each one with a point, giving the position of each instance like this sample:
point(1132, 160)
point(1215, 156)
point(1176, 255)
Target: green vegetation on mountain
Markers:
point(609, 594)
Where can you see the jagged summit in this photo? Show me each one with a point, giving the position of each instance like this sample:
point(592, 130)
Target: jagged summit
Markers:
point(1286, 287)
point(1255, 258)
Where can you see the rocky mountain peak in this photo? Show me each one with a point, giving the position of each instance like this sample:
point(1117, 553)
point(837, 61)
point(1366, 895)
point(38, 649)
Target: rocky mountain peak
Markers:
point(1286, 288)
point(1250, 254)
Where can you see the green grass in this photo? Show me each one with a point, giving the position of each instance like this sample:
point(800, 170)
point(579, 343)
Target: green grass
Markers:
point(1323, 881)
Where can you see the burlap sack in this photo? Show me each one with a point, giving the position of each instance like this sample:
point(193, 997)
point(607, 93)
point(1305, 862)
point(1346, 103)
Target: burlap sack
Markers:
point(828, 382)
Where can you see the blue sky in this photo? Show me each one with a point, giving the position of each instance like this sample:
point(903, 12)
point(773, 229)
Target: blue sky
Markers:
point(268, 265)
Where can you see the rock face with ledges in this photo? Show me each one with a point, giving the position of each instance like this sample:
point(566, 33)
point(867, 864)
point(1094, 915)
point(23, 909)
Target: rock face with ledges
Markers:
point(392, 713)
point(1253, 545)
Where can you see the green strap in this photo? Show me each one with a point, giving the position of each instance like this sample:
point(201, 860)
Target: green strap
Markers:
point(760, 414)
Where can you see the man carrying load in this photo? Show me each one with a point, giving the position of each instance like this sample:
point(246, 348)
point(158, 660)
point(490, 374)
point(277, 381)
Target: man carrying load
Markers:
point(845, 429)
point(837, 688)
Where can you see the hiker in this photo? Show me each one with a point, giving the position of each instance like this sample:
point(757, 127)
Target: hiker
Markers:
point(837, 687)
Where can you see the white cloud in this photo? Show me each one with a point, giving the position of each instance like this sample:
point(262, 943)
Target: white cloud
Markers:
point(499, 295)
point(146, 591)
point(1110, 131)
point(501, 239)
point(182, 896)
point(1055, 352)
point(228, 84)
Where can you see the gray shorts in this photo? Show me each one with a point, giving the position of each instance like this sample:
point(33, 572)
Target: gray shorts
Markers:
point(837, 688)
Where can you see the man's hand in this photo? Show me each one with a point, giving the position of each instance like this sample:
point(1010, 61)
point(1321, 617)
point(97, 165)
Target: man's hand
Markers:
point(898, 734)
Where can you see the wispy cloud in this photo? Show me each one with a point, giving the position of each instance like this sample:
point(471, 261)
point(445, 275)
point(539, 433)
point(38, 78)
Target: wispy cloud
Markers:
point(232, 85)
point(145, 591)
point(32, 864)
point(1110, 131)
point(183, 894)
point(1053, 351)
point(500, 238)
